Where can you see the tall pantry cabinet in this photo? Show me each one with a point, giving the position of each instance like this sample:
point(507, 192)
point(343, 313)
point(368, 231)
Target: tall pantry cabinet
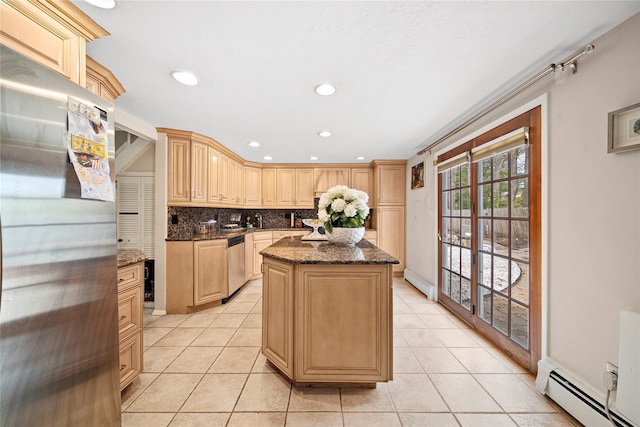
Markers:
point(389, 195)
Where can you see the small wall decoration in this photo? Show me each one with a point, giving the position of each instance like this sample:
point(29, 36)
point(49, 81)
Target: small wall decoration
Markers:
point(417, 176)
point(624, 129)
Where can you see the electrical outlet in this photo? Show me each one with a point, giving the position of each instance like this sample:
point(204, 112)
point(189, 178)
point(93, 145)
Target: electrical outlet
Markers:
point(612, 368)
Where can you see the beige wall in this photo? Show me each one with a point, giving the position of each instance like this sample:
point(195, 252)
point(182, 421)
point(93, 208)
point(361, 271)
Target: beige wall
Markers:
point(591, 205)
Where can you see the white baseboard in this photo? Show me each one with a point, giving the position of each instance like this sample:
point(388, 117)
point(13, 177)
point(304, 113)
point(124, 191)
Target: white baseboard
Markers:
point(159, 312)
point(427, 288)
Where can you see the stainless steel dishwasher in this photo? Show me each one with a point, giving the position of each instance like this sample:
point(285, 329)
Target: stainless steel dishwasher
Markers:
point(235, 263)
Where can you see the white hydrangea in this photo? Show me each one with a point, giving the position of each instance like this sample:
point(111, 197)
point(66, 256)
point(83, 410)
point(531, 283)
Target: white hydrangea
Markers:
point(350, 210)
point(338, 205)
point(342, 206)
point(323, 216)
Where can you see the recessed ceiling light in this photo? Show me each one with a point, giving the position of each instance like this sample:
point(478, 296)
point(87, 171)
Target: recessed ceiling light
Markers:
point(253, 144)
point(313, 158)
point(268, 158)
point(325, 89)
point(360, 158)
point(103, 4)
point(324, 133)
point(185, 77)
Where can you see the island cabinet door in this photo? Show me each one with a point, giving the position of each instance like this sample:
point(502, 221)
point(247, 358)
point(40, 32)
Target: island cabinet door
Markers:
point(277, 314)
point(343, 323)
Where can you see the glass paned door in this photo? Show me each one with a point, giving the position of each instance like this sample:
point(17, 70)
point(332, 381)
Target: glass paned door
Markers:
point(456, 236)
point(489, 257)
point(503, 243)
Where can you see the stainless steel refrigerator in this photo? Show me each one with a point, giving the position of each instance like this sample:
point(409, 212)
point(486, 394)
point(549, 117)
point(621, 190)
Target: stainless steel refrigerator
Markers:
point(59, 357)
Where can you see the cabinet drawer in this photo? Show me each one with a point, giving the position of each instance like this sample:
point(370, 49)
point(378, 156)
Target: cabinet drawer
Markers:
point(277, 235)
point(130, 359)
point(129, 276)
point(129, 311)
point(262, 235)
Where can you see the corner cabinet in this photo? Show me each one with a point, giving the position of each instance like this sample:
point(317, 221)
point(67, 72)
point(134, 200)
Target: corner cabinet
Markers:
point(130, 308)
point(196, 275)
point(102, 82)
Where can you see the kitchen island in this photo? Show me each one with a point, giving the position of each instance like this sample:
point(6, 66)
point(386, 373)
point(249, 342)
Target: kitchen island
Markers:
point(327, 312)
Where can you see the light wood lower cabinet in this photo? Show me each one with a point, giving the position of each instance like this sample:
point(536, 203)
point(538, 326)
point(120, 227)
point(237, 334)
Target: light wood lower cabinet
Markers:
point(261, 240)
point(328, 323)
point(196, 274)
point(210, 271)
point(130, 300)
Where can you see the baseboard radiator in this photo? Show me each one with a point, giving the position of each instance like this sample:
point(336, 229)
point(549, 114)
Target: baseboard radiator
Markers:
point(588, 405)
point(429, 289)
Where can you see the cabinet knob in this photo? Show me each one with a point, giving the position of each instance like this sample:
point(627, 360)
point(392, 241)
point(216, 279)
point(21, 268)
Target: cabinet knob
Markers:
point(122, 317)
point(122, 367)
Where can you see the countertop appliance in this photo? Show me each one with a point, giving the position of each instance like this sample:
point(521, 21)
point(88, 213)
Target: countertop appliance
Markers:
point(59, 354)
point(235, 263)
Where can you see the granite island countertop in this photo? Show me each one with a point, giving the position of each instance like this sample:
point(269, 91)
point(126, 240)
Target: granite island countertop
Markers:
point(130, 256)
point(296, 251)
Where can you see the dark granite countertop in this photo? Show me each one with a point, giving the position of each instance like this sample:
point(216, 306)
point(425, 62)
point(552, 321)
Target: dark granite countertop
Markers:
point(297, 251)
point(130, 256)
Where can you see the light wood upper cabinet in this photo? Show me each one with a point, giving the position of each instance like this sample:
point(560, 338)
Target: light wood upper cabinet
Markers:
point(51, 32)
point(179, 171)
point(102, 82)
point(238, 181)
point(213, 189)
point(209, 283)
point(362, 179)
point(325, 178)
point(304, 188)
point(269, 187)
point(199, 172)
point(285, 187)
point(389, 182)
point(223, 178)
point(252, 187)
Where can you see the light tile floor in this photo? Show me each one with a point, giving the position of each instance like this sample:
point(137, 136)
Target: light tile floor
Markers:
point(206, 369)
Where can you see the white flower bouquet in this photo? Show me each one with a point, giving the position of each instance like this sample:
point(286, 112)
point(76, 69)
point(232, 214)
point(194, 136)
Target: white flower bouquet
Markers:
point(342, 206)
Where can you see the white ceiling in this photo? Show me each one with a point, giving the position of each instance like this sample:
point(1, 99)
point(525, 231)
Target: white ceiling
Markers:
point(404, 70)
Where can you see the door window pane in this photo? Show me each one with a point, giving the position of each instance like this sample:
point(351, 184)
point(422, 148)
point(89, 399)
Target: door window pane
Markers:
point(500, 166)
point(455, 287)
point(519, 161)
point(466, 262)
point(484, 304)
point(501, 313)
point(465, 232)
point(484, 269)
point(446, 203)
point(446, 230)
point(520, 287)
point(465, 293)
point(520, 198)
point(500, 274)
point(484, 170)
point(484, 200)
point(485, 240)
point(457, 203)
point(446, 255)
point(501, 199)
point(501, 237)
point(520, 240)
point(446, 282)
point(520, 324)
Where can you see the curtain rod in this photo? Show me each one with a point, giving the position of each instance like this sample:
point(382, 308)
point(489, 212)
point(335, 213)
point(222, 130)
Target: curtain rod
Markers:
point(570, 61)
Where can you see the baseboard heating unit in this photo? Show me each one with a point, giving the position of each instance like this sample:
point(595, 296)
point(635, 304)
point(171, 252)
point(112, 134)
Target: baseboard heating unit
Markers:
point(582, 403)
point(422, 285)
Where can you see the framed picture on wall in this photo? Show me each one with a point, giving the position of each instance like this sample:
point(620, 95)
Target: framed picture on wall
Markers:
point(624, 129)
point(417, 176)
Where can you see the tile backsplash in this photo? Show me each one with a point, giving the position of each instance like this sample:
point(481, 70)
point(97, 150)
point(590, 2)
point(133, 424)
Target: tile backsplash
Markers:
point(184, 220)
